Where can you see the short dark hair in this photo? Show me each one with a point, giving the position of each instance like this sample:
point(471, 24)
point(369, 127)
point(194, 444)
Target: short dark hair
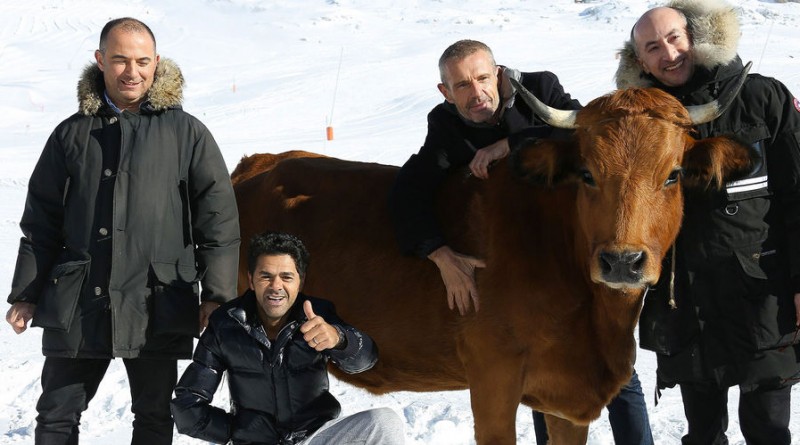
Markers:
point(128, 24)
point(278, 243)
point(460, 50)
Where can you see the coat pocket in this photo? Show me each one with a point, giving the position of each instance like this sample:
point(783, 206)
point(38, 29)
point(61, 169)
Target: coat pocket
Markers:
point(59, 300)
point(175, 305)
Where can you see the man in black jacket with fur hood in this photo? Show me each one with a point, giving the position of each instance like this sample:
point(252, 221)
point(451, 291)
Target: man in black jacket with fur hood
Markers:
point(732, 316)
point(129, 210)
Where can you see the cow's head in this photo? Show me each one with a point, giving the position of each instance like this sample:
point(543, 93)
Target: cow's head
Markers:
point(630, 154)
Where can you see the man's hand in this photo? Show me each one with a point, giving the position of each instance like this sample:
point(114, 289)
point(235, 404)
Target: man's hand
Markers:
point(458, 274)
point(19, 315)
point(317, 332)
point(479, 166)
point(206, 308)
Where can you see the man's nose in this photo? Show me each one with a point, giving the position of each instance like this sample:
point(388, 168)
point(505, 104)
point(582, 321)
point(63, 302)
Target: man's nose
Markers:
point(129, 69)
point(672, 53)
point(475, 87)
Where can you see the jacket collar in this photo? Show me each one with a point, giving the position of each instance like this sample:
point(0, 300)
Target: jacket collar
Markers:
point(246, 314)
point(166, 92)
point(714, 26)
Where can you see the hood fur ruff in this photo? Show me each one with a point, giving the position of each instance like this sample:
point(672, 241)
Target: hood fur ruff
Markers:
point(714, 26)
point(166, 91)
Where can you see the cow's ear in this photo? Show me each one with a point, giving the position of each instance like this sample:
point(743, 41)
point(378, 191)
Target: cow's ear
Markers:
point(546, 161)
point(715, 161)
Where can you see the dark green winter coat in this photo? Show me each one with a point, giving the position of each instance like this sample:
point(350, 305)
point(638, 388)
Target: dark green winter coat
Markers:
point(152, 187)
point(738, 252)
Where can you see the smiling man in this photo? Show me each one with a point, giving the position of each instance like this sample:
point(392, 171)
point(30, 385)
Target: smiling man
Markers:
point(129, 212)
point(275, 344)
point(736, 273)
point(128, 59)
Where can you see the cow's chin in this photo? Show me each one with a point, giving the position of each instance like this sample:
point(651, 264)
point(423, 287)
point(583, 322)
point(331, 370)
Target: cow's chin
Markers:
point(623, 286)
point(630, 284)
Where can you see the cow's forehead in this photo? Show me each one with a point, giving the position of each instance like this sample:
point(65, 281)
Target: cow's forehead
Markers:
point(632, 142)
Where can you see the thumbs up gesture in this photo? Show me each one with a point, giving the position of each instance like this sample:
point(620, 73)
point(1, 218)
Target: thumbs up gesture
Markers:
point(316, 331)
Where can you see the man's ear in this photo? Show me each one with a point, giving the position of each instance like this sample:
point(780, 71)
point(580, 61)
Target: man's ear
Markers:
point(250, 281)
point(98, 56)
point(445, 92)
point(642, 66)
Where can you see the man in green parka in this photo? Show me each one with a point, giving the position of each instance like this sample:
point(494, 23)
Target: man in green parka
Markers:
point(129, 213)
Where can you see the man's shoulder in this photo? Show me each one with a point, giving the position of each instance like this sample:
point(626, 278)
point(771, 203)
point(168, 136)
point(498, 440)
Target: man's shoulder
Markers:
point(233, 309)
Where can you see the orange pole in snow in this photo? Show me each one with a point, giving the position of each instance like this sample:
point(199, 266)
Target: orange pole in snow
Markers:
point(329, 132)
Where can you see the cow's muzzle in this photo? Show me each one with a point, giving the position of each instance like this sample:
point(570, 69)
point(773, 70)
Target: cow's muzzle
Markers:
point(622, 268)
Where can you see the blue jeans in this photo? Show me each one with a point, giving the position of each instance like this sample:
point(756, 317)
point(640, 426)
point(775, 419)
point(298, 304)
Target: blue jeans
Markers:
point(627, 414)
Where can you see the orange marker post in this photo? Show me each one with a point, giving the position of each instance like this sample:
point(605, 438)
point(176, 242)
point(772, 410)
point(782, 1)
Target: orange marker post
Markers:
point(329, 132)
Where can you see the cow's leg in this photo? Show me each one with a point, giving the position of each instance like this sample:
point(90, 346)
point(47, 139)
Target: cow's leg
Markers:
point(495, 387)
point(564, 432)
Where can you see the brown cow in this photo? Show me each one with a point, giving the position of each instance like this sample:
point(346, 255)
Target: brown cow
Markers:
point(567, 264)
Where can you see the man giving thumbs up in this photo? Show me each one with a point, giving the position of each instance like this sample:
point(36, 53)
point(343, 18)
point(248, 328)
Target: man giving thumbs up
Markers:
point(275, 344)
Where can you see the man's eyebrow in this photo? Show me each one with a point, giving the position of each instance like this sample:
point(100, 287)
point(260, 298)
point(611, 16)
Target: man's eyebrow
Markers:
point(121, 57)
point(671, 32)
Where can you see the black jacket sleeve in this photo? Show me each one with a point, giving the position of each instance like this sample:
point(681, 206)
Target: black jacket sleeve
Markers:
point(413, 194)
point(784, 163)
point(191, 408)
point(41, 223)
point(359, 353)
point(215, 219)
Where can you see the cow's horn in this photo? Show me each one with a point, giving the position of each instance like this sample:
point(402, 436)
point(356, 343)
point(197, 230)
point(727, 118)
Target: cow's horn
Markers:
point(553, 116)
point(701, 114)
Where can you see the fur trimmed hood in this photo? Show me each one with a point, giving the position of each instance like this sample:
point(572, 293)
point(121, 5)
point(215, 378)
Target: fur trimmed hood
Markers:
point(166, 91)
point(714, 27)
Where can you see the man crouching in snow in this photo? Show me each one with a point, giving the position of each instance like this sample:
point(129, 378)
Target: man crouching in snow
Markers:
point(275, 343)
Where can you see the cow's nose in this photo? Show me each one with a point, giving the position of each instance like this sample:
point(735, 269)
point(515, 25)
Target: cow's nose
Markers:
point(622, 266)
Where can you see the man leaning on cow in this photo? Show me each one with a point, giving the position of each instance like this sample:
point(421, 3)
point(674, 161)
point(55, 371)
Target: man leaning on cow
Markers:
point(736, 293)
point(275, 343)
point(481, 121)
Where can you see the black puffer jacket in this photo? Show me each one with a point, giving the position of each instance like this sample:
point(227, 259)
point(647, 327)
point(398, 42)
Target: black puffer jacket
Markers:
point(738, 253)
point(451, 143)
point(279, 389)
point(125, 215)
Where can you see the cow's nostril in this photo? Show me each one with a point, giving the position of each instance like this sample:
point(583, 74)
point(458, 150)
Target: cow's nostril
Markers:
point(636, 260)
point(608, 260)
point(625, 266)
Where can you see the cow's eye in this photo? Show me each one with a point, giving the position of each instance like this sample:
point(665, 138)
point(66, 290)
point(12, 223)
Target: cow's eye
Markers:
point(587, 178)
point(673, 177)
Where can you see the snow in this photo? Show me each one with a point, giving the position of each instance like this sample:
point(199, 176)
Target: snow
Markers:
point(269, 76)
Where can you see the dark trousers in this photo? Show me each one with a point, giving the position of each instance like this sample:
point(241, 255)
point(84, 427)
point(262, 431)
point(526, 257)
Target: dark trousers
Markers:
point(627, 414)
point(763, 415)
point(69, 384)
